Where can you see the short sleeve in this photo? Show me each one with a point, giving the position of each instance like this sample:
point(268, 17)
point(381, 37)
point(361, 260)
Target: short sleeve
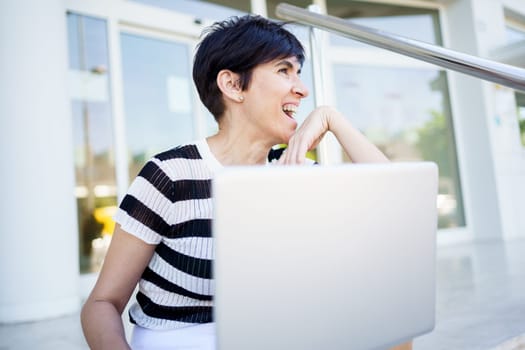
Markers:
point(146, 210)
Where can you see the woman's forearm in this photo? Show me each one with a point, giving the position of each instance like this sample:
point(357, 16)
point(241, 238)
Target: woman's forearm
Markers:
point(358, 148)
point(102, 326)
point(321, 120)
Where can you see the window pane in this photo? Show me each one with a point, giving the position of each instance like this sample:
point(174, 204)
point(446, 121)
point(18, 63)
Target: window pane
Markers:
point(93, 137)
point(214, 10)
point(394, 19)
point(514, 35)
point(406, 113)
point(401, 106)
point(158, 97)
point(207, 9)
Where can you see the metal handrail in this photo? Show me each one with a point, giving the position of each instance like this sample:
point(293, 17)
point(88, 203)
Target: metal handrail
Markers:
point(496, 72)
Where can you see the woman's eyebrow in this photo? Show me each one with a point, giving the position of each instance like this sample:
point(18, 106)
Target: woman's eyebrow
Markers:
point(284, 63)
point(288, 64)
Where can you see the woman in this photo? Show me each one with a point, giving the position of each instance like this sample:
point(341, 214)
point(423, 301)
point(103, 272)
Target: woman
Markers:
point(246, 71)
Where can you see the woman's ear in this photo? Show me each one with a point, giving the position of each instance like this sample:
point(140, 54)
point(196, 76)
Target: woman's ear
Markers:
point(230, 85)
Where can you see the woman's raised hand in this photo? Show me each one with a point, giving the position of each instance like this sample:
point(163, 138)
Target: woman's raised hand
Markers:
point(308, 135)
point(323, 119)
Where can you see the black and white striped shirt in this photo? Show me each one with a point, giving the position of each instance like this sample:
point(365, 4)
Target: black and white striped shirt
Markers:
point(169, 204)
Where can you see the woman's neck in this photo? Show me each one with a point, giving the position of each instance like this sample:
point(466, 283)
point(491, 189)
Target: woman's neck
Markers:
point(232, 149)
point(239, 143)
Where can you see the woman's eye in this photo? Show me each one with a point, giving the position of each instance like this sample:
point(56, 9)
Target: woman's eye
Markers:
point(283, 70)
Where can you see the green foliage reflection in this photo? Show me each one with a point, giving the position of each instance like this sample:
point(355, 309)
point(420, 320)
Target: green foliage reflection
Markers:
point(432, 142)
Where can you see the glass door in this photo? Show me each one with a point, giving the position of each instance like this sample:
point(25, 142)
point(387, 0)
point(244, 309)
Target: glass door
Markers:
point(159, 98)
point(161, 111)
point(132, 96)
point(89, 87)
point(401, 104)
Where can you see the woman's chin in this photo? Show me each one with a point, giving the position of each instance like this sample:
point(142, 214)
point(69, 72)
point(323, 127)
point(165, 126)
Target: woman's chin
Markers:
point(286, 133)
point(286, 138)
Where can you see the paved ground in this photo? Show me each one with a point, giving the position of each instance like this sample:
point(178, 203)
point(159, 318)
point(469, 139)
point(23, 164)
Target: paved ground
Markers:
point(480, 305)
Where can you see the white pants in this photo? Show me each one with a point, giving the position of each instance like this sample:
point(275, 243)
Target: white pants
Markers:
point(197, 337)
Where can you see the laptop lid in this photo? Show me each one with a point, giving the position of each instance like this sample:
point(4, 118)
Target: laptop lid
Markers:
point(324, 257)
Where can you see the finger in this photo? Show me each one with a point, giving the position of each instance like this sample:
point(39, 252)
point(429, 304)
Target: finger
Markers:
point(290, 151)
point(301, 154)
point(296, 150)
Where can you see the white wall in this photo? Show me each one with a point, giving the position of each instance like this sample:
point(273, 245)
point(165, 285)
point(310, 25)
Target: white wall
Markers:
point(38, 229)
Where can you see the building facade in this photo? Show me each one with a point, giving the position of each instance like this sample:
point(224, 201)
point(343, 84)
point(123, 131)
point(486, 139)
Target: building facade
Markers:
point(91, 89)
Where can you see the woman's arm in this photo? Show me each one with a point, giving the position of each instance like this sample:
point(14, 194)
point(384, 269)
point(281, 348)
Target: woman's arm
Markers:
point(323, 119)
point(125, 261)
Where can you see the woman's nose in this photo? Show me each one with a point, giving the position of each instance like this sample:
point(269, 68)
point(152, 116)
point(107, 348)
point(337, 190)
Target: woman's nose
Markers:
point(300, 89)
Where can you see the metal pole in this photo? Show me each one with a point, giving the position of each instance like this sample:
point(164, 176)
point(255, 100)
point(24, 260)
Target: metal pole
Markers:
point(496, 72)
point(317, 45)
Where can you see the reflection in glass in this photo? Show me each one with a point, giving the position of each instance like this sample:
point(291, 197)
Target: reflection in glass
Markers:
point(520, 104)
point(158, 98)
point(406, 113)
point(514, 35)
point(93, 137)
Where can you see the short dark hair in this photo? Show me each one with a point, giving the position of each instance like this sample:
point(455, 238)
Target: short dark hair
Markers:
point(239, 44)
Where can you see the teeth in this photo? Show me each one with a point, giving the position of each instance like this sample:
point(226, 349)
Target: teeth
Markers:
point(290, 108)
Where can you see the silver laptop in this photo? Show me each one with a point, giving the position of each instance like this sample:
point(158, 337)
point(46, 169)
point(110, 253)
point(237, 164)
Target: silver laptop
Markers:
point(324, 257)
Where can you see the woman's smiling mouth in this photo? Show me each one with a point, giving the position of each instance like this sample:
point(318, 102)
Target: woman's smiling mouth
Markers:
point(290, 110)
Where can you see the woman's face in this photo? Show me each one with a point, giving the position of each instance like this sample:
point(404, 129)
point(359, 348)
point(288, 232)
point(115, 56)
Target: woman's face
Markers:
point(272, 98)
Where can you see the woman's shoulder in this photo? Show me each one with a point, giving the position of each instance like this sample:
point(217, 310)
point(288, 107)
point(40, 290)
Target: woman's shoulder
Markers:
point(185, 161)
point(173, 163)
point(183, 151)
